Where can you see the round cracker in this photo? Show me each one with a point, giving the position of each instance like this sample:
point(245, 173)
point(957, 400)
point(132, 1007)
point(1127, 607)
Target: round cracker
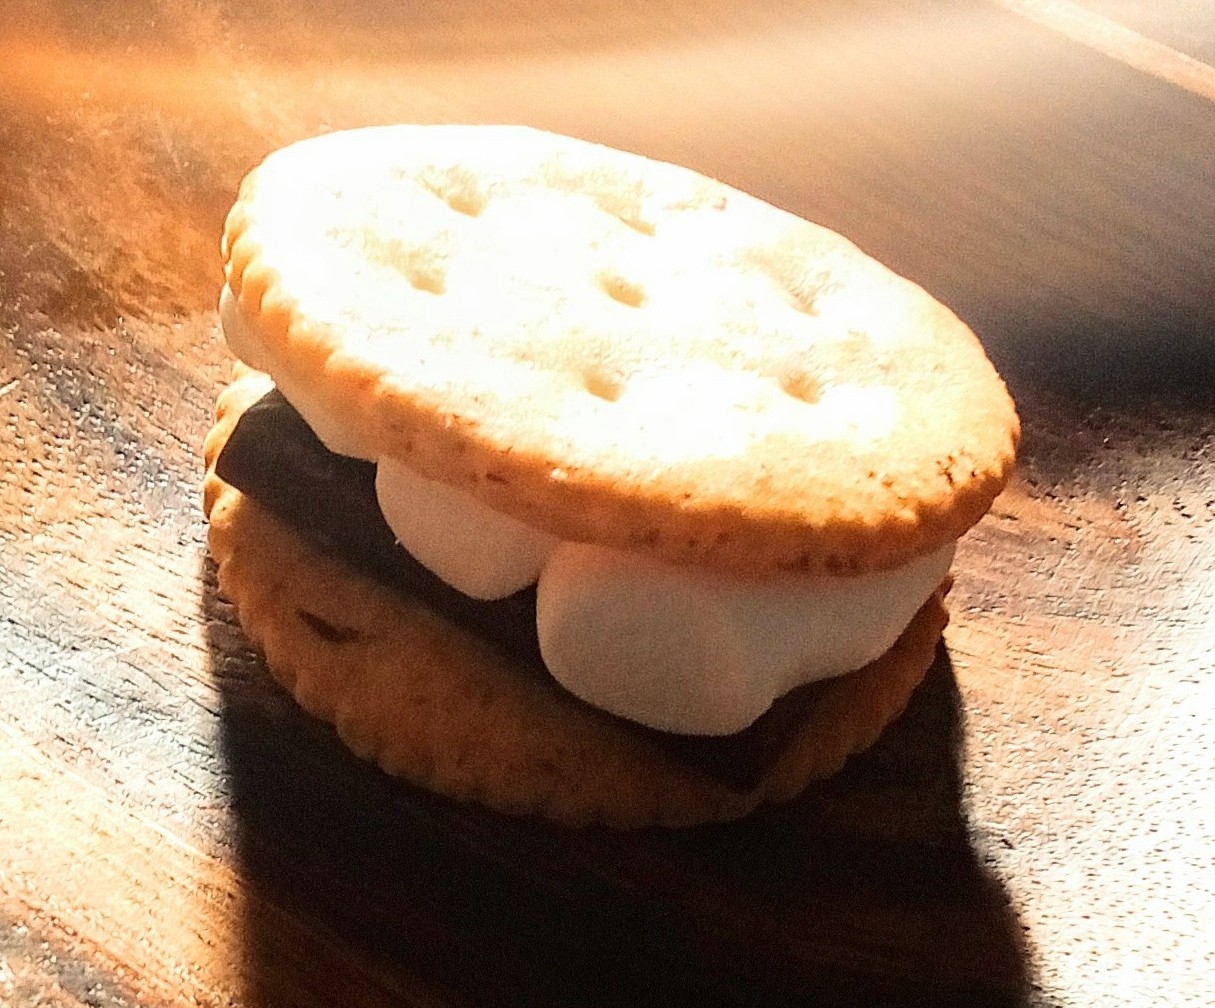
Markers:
point(431, 703)
point(617, 350)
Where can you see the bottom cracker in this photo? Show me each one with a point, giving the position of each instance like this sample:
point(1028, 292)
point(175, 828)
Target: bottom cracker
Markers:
point(432, 704)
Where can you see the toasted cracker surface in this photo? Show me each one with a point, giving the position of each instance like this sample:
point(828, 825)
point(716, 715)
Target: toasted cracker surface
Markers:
point(617, 350)
point(432, 704)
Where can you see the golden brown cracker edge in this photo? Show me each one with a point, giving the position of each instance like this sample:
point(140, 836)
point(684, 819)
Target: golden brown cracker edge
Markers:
point(830, 504)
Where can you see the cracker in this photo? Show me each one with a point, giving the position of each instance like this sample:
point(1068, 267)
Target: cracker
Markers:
point(432, 704)
point(618, 350)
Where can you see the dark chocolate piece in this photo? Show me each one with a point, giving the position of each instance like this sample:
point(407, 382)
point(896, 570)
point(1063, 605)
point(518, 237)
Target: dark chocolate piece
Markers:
point(274, 457)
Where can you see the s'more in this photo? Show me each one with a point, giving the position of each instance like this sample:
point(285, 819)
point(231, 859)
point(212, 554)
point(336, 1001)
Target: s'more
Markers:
point(579, 484)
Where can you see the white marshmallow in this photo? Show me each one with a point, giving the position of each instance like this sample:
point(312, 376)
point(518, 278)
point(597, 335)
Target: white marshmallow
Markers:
point(243, 340)
point(702, 652)
point(238, 334)
point(475, 549)
point(332, 434)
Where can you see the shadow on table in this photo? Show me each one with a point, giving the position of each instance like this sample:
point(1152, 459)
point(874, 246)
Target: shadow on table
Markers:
point(866, 891)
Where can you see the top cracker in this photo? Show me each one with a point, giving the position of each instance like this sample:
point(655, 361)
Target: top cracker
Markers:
point(617, 350)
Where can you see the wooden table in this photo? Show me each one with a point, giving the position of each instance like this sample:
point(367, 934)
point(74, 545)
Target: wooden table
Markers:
point(1039, 826)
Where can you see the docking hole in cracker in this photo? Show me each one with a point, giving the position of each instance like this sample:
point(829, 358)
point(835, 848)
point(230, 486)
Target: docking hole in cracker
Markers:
point(578, 483)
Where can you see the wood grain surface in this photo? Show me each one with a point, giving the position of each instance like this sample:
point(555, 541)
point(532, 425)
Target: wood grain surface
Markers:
point(1037, 829)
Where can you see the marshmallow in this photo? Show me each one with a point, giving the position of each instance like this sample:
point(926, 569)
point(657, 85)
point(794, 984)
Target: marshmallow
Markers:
point(681, 649)
point(333, 435)
point(244, 341)
point(238, 334)
point(703, 652)
point(475, 549)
